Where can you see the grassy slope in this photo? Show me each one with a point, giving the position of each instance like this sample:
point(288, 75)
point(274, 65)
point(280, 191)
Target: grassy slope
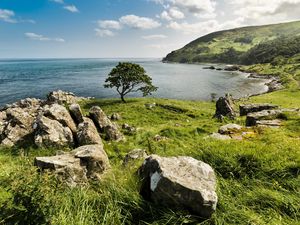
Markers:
point(207, 48)
point(258, 178)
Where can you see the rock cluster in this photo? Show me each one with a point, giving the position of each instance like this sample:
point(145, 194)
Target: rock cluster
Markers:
point(251, 108)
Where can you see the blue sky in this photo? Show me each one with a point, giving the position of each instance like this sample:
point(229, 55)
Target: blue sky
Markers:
point(124, 28)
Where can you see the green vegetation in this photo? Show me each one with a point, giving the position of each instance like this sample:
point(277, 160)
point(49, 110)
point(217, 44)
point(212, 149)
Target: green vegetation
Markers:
point(129, 77)
point(258, 178)
point(247, 45)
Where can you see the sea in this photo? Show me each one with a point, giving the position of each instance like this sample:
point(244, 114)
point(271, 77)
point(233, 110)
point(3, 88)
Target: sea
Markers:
point(22, 78)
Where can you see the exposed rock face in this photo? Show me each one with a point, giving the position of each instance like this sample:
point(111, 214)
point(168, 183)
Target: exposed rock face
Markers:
point(230, 128)
point(76, 167)
point(269, 123)
point(252, 118)
point(63, 98)
point(250, 108)
point(110, 129)
point(76, 113)
point(87, 133)
point(180, 182)
point(134, 155)
point(61, 114)
point(224, 107)
point(51, 133)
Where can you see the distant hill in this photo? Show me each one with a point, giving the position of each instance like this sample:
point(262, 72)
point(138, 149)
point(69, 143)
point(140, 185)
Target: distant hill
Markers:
point(246, 45)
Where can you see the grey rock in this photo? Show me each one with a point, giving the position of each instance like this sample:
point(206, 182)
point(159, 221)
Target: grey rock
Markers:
point(182, 182)
point(63, 98)
point(231, 68)
point(269, 123)
point(61, 114)
point(218, 136)
point(230, 128)
point(76, 113)
point(250, 108)
point(150, 105)
point(50, 133)
point(128, 129)
point(115, 117)
point(224, 108)
point(87, 133)
point(252, 118)
point(134, 155)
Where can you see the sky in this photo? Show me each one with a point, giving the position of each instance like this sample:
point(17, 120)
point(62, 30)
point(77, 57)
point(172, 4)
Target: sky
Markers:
point(125, 28)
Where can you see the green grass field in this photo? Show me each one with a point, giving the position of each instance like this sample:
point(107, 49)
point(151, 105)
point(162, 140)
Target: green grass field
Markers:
point(258, 178)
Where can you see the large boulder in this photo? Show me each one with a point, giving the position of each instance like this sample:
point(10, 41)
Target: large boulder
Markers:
point(104, 124)
point(224, 108)
point(87, 133)
point(76, 167)
point(182, 182)
point(50, 133)
point(250, 108)
point(61, 114)
point(63, 98)
point(252, 118)
point(76, 113)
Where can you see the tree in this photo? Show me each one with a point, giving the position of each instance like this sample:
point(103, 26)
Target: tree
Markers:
point(129, 77)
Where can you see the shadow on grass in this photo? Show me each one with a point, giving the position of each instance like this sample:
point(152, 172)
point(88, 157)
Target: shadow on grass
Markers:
point(106, 102)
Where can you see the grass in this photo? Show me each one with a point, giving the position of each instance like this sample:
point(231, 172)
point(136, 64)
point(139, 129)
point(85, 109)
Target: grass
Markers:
point(258, 178)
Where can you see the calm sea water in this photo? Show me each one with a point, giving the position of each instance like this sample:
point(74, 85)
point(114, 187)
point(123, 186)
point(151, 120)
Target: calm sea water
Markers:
point(85, 77)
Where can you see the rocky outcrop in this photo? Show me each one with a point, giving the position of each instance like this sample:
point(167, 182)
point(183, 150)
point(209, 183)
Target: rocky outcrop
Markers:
point(230, 128)
point(76, 167)
point(61, 114)
point(252, 118)
point(224, 108)
point(135, 155)
point(182, 182)
point(63, 98)
point(52, 134)
point(76, 113)
point(250, 108)
point(104, 124)
point(269, 123)
point(87, 133)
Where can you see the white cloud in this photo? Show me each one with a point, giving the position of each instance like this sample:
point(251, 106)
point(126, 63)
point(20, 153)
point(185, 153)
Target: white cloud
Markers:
point(172, 13)
point(137, 22)
point(39, 37)
point(58, 1)
point(109, 24)
point(154, 37)
point(104, 33)
point(199, 28)
point(7, 16)
point(71, 8)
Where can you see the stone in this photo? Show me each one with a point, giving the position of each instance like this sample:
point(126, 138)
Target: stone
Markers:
point(63, 98)
point(224, 108)
point(128, 129)
point(219, 136)
point(158, 138)
point(150, 105)
point(104, 124)
point(250, 108)
point(269, 123)
point(209, 68)
point(50, 133)
point(76, 113)
point(61, 114)
point(87, 133)
point(115, 117)
point(134, 155)
point(252, 118)
point(180, 182)
point(230, 128)
point(232, 68)
point(76, 167)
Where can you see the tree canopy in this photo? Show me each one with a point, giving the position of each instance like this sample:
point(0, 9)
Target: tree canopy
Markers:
point(129, 77)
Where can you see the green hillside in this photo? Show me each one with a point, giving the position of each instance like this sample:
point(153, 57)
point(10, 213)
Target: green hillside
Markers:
point(236, 45)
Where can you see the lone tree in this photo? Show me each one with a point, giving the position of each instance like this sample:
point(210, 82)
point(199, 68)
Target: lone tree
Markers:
point(129, 77)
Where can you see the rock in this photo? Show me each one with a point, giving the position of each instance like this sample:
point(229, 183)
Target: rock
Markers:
point(134, 155)
point(115, 117)
point(128, 129)
point(218, 136)
point(219, 69)
point(209, 68)
point(50, 133)
point(180, 182)
point(101, 121)
point(224, 107)
point(252, 118)
point(230, 129)
point(159, 138)
point(76, 113)
point(269, 123)
point(274, 85)
point(87, 133)
point(150, 105)
point(94, 158)
point(76, 167)
point(63, 98)
point(250, 108)
point(232, 68)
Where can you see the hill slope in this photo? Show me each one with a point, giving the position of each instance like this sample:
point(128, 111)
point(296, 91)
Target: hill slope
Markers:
point(232, 46)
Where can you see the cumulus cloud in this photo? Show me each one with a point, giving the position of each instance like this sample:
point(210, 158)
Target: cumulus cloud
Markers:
point(172, 13)
point(138, 22)
point(71, 8)
point(109, 24)
point(39, 37)
point(195, 28)
point(7, 16)
point(104, 33)
point(154, 37)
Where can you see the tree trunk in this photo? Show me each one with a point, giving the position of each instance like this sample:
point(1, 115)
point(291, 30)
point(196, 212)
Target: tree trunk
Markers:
point(122, 98)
